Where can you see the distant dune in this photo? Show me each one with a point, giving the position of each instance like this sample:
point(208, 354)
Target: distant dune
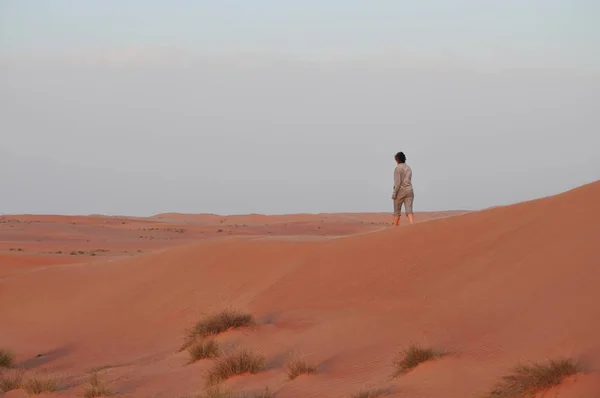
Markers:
point(272, 219)
point(486, 291)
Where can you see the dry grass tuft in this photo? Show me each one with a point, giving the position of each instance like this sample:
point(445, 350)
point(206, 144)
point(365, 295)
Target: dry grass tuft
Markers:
point(380, 392)
point(528, 380)
point(236, 364)
point(37, 385)
point(221, 322)
point(413, 356)
point(218, 392)
point(212, 325)
point(210, 393)
point(299, 367)
point(6, 358)
point(263, 394)
point(11, 380)
point(204, 349)
point(95, 388)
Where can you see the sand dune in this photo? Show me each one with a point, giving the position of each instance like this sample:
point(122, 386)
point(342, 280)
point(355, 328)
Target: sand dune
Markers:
point(490, 288)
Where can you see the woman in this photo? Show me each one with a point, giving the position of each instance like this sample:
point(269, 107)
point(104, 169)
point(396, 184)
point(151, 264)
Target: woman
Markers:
point(403, 189)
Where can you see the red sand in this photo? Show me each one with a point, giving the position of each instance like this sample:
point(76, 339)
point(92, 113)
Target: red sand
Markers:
point(493, 288)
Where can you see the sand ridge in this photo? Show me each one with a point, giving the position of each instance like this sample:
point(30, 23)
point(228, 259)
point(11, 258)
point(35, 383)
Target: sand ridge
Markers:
point(493, 288)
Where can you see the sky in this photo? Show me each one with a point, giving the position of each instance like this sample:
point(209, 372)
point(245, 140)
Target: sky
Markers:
point(137, 107)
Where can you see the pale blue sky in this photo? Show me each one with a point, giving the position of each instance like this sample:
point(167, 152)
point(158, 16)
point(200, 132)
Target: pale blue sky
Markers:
point(546, 29)
point(138, 107)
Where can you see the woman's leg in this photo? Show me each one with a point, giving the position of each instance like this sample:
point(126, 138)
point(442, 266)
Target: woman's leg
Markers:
point(397, 210)
point(408, 206)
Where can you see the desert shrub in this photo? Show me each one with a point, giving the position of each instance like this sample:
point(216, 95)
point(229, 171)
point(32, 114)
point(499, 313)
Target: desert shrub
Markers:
point(6, 358)
point(263, 394)
point(375, 393)
point(218, 323)
point(218, 392)
point(413, 356)
point(95, 388)
point(529, 380)
point(235, 364)
point(39, 384)
point(11, 380)
point(204, 349)
point(297, 367)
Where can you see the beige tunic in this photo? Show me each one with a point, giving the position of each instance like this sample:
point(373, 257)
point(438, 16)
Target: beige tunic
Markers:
point(403, 180)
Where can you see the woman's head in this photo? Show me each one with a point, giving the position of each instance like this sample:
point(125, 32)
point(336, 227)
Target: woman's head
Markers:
point(400, 157)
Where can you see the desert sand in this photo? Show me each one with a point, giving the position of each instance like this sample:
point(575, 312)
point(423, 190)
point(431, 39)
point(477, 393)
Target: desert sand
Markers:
point(345, 292)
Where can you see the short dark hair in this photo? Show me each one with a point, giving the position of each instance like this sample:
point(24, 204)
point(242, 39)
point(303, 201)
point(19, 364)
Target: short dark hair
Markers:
point(400, 157)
